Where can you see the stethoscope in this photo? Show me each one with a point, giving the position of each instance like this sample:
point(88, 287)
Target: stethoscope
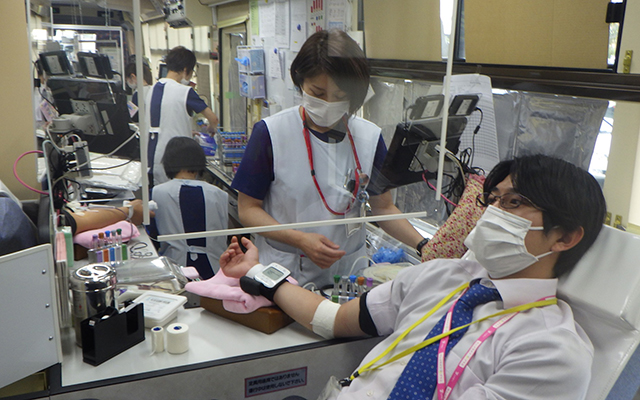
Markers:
point(361, 195)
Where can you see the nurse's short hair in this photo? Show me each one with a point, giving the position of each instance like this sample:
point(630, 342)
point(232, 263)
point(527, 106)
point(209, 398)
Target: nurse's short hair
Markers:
point(180, 58)
point(570, 197)
point(183, 153)
point(146, 72)
point(334, 53)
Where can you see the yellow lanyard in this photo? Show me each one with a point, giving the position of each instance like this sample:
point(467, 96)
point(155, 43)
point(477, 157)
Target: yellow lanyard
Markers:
point(370, 365)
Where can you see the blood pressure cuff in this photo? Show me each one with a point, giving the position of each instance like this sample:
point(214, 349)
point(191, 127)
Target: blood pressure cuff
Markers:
point(255, 288)
point(364, 318)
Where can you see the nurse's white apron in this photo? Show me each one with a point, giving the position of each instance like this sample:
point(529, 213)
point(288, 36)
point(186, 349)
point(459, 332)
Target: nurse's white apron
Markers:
point(185, 206)
point(293, 197)
point(167, 118)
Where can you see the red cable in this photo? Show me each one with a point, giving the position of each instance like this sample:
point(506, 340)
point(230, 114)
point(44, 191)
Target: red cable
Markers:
point(15, 172)
point(441, 195)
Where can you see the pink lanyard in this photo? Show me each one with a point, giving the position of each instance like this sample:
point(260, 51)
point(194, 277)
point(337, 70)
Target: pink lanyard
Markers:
point(443, 393)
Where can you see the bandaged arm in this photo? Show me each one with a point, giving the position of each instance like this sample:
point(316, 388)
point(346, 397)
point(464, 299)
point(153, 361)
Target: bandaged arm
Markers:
point(302, 305)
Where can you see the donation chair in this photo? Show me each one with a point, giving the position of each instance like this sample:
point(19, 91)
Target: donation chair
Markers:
point(604, 292)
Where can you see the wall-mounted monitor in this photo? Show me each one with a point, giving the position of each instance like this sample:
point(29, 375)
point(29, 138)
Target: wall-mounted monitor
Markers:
point(95, 65)
point(56, 63)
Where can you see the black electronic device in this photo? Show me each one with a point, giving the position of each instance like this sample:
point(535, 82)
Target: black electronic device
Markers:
point(163, 70)
point(427, 107)
point(412, 152)
point(463, 104)
point(113, 113)
point(95, 65)
point(56, 63)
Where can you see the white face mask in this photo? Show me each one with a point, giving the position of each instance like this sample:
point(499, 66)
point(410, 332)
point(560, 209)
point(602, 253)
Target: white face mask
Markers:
point(185, 82)
point(323, 113)
point(132, 85)
point(497, 241)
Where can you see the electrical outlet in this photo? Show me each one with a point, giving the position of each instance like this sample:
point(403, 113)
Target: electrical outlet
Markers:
point(607, 218)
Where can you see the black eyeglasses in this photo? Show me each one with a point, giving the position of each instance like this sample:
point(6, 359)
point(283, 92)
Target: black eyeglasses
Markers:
point(507, 201)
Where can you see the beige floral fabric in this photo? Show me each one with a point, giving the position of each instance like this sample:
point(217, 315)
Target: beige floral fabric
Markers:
point(448, 242)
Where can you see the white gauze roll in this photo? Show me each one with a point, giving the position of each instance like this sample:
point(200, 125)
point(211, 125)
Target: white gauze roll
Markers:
point(324, 318)
point(177, 338)
point(157, 339)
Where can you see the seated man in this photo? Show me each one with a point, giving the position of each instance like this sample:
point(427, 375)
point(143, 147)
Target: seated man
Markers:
point(186, 204)
point(17, 232)
point(542, 215)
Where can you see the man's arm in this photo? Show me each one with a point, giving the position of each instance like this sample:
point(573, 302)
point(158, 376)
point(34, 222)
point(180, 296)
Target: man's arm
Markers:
point(400, 229)
point(101, 217)
point(300, 304)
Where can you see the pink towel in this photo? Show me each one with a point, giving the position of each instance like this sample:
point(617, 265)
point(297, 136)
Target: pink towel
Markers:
point(228, 290)
point(129, 231)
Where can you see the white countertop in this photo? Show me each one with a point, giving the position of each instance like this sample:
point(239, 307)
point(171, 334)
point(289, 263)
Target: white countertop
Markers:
point(211, 338)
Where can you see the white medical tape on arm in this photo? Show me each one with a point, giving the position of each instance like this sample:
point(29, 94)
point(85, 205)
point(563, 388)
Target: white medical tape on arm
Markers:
point(324, 319)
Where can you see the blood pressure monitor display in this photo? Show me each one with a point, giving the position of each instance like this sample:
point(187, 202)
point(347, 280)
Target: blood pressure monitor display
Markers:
point(273, 273)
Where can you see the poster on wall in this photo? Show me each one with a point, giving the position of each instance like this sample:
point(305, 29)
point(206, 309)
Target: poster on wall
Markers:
point(254, 18)
point(336, 16)
point(267, 13)
point(298, 26)
point(316, 15)
point(282, 24)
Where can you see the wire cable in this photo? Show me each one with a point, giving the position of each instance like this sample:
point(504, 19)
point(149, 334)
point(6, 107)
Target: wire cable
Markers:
point(15, 172)
point(475, 132)
point(113, 151)
point(441, 195)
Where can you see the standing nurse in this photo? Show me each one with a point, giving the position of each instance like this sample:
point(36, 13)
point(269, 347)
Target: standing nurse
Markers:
point(172, 102)
point(313, 162)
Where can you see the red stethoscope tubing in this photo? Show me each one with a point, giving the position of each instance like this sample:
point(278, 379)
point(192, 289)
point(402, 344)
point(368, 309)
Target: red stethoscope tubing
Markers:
point(358, 171)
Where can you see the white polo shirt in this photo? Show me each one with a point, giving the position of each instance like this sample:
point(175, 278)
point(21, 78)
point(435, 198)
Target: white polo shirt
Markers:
point(539, 354)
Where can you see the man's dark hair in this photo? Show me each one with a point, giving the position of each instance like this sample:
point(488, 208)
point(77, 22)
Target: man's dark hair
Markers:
point(334, 53)
point(146, 72)
point(183, 153)
point(570, 197)
point(180, 58)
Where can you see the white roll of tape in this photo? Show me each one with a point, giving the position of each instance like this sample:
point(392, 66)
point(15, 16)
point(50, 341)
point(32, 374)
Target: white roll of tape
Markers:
point(177, 338)
point(157, 339)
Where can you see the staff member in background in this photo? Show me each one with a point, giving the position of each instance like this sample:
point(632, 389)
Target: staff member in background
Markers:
point(132, 83)
point(186, 204)
point(171, 103)
point(313, 162)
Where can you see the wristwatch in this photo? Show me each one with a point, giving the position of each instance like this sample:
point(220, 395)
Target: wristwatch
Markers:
point(421, 245)
point(264, 281)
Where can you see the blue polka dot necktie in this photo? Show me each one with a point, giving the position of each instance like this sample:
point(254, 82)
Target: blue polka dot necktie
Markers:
point(418, 379)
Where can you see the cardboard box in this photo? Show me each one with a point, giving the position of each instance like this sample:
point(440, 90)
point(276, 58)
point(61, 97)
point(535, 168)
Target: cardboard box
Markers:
point(265, 319)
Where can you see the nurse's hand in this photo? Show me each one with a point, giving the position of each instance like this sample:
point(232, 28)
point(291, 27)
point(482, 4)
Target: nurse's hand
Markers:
point(322, 251)
point(234, 262)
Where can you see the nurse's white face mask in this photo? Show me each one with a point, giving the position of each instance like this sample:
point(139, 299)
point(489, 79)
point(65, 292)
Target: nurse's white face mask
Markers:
point(497, 241)
point(323, 113)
